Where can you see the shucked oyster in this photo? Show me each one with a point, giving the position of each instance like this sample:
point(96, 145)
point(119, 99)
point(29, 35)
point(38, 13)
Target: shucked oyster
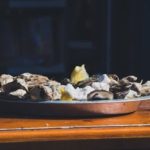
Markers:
point(100, 95)
point(127, 94)
point(145, 90)
point(34, 79)
point(127, 87)
point(129, 79)
point(30, 85)
point(44, 92)
point(5, 79)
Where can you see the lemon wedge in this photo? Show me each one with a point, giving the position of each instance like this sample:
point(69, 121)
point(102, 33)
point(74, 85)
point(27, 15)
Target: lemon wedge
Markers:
point(79, 74)
point(65, 95)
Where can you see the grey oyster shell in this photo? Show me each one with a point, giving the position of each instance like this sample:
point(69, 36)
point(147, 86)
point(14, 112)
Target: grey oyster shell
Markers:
point(100, 95)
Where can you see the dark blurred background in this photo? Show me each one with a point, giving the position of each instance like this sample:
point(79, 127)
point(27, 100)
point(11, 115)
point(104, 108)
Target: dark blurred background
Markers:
point(50, 37)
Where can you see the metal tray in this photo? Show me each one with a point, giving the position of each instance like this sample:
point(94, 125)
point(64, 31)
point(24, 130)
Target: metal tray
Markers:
point(13, 106)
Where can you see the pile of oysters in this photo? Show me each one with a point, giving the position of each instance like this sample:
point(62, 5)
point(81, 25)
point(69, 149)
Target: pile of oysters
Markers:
point(29, 86)
point(80, 86)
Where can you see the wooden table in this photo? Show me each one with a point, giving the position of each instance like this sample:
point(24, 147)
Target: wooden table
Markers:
point(132, 127)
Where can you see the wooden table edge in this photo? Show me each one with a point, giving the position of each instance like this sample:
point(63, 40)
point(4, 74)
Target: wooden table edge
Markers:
point(74, 134)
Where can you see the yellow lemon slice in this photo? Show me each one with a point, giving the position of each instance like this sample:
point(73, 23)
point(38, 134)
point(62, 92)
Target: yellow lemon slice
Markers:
point(79, 74)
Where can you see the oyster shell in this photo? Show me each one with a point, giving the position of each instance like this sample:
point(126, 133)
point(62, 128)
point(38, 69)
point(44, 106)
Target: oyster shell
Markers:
point(40, 92)
point(130, 78)
point(114, 77)
point(145, 90)
point(65, 81)
point(84, 83)
point(20, 93)
point(100, 95)
point(98, 79)
point(136, 87)
point(129, 94)
point(15, 85)
point(56, 94)
point(5, 79)
point(34, 79)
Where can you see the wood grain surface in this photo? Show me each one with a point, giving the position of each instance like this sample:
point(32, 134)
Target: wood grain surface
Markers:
point(28, 129)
